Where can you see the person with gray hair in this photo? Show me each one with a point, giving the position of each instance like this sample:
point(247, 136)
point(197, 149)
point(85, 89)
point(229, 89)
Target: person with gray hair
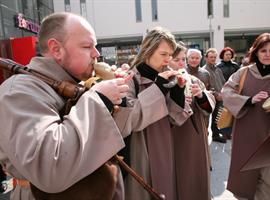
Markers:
point(191, 51)
point(194, 57)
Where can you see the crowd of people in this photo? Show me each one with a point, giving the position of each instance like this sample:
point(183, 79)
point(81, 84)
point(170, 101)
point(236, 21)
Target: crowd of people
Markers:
point(164, 105)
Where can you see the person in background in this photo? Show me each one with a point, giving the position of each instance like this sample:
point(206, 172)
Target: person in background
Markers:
point(179, 57)
point(194, 57)
point(191, 150)
point(217, 81)
point(227, 66)
point(151, 151)
point(250, 178)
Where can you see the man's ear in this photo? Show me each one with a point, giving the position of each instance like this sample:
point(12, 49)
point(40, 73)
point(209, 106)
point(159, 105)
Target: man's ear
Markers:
point(55, 48)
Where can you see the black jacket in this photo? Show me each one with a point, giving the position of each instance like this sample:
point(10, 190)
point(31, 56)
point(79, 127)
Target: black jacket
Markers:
point(228, 68)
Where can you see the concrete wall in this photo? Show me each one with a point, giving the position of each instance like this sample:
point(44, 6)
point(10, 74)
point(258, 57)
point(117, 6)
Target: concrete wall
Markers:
point(116, 18)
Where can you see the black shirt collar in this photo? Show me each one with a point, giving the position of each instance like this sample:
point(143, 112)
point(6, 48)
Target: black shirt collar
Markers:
point(147, 71)
point(263, 69)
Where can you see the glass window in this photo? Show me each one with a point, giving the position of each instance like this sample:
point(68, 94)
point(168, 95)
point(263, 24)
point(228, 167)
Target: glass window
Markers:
point(138, 8)
point(83, 8)
point(47, 3)
point(67, 6)
point(8, 8)
point(32, 10)
point(109, 54)
point(44, 7)
point(226, 12)
point(7, 20)
point(13, 4)
point(28, 8)
point(154, 10)
point(1, 26)
point(210, 8)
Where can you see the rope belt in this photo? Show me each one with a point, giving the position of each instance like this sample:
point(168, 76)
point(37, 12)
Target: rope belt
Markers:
point(21, 182)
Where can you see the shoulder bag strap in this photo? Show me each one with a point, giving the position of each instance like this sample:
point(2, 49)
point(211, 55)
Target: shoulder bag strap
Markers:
point(242, 80)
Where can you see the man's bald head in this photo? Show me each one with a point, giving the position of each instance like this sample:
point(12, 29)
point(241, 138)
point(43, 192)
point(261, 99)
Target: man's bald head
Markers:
point(59, 26)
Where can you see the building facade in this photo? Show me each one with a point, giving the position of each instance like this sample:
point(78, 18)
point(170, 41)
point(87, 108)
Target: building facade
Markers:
point(121, 24)
point(20, 18)
point(19, 25)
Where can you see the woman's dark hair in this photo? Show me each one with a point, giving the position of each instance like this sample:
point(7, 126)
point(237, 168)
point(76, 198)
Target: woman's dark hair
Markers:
point(180, 46)
point(221, 55)
point(259, 43)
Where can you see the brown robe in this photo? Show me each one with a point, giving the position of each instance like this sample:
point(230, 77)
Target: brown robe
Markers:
point(151, 144)
point(191, 155)
point(250, 129)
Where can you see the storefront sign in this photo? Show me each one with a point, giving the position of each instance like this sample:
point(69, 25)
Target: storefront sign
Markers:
point(26, 24)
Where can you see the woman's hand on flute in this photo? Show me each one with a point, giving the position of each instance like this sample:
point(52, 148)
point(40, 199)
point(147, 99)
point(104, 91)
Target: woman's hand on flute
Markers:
point(168, 74)
point(196, 90)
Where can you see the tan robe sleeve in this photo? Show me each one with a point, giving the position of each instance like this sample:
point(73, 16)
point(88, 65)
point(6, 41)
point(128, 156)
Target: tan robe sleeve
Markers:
point(231, 99)
point(52, 153)
point(178, 115)
point(149, 107)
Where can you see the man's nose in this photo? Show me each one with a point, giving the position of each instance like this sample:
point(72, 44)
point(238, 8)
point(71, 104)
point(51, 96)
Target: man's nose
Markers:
point(95, 53)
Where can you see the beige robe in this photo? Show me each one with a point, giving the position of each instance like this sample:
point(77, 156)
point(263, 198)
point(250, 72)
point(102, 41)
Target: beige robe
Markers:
point(151, 143)
point(250, 129)
point(38, 146)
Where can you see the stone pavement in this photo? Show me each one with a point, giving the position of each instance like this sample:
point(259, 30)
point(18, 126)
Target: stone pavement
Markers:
point(220, 156)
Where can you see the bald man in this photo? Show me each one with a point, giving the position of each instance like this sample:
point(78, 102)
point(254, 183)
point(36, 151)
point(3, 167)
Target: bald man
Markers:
point(38, 145)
